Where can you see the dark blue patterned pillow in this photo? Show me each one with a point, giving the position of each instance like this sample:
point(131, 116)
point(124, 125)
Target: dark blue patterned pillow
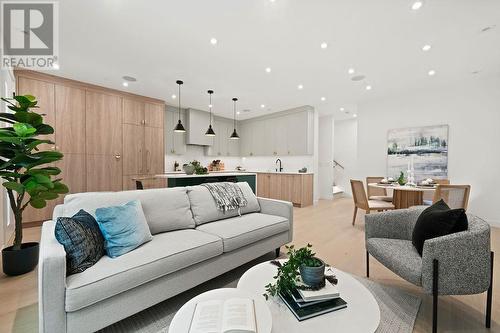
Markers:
point(82, 240)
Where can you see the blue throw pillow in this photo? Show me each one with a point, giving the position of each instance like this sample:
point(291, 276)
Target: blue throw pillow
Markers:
point(124, 228)
point(82, 240)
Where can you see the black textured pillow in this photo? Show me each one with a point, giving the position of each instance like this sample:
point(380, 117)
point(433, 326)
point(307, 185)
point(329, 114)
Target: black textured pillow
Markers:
point(436, 221)
point(82, 240)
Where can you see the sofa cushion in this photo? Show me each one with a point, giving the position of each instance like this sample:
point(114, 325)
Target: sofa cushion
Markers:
point(204, 208)
point(165, 209)
point(242, 230)
point(400, 256)
point(166, 253)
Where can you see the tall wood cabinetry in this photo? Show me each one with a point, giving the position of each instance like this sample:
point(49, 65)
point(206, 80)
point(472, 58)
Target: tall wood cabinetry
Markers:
point(91, 128)
point(295, 188)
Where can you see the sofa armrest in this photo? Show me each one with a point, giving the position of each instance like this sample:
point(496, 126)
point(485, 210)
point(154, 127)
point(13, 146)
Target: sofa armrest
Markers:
point(463, 259)
point(51, 282)
point(279, 208)
point(396, 224)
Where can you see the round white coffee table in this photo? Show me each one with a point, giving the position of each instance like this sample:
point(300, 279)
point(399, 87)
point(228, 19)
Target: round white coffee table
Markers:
point(182, 319)
point(361, 315)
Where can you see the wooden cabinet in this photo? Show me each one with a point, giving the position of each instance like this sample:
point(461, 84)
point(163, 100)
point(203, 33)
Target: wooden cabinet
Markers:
point(70, 119)
point(133, 149)
point(295, 188)
point(104, 134)
point(154, 151)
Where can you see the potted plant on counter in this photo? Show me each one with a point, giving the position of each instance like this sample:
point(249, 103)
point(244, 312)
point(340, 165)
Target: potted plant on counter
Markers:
point(302, 270)
point(27, 173)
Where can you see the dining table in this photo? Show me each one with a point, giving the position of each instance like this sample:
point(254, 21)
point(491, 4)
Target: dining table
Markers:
point(405, 196)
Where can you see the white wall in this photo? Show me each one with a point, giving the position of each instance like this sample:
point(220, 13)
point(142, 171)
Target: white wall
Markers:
point(472, 111)
point(325, 157)
point(8, 86)
point(345, 150)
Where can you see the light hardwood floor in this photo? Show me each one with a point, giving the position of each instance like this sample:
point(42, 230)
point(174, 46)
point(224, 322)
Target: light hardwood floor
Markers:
point(327, 226)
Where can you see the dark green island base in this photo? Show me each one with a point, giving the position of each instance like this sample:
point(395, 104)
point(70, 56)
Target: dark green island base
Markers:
point(197, 180)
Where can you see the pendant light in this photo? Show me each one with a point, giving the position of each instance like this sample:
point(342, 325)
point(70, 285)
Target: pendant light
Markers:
point(179, 128)
point(210, 131)
point(235, 135)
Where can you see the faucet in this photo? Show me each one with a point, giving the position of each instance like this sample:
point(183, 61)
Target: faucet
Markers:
point(280, 168)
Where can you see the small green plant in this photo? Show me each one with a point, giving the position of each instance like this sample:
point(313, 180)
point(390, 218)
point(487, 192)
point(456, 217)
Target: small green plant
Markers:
point(198, 168)
point(288, 273)
point(401, 179)
point(27, 170)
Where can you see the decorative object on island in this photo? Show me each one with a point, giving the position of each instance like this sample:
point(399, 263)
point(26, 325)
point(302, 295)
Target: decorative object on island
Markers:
point(216, 165)
point(401, 179)
point(426, 147)
point(25, 174)
point(301, 265)
point(179, 127)
point(210, 131)
point(303, 170)
point(176, 166)
point(188, 169)
point(234, 135)
point(198, 168)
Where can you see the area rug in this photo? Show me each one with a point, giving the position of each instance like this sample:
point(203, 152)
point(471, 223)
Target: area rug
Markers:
point(398, 309)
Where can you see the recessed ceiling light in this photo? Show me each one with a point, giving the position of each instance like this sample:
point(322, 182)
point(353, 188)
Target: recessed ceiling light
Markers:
point(174, 96)
point(323, 99)
point(210, 105)
point(300, 87)
point(272, 0)
point(324, 45)
point(432, 72)
point(426, 47)
point(417, 5)
point(238, 112)
point(55, 65)
point(213, 41)
point(268, 69)
point(351, 71)
point(354, 115)
point(125, 84)
point(262, 106)
point(368, 87)
point(342, 109)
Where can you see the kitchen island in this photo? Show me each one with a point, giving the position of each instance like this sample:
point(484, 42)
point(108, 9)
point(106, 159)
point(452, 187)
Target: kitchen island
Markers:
point(180, 179)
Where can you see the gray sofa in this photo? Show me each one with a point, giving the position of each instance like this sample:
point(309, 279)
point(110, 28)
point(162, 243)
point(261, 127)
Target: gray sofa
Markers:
point(192, 243)
point(456, 264)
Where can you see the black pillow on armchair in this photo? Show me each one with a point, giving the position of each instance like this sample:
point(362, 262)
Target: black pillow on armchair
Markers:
point(436, 221)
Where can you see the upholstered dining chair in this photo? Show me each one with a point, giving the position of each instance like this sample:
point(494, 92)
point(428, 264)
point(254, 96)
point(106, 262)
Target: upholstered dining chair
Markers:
point(455, 196)
point(361, 201)
point(376, 193)
point(428, 196)
point(455, 264)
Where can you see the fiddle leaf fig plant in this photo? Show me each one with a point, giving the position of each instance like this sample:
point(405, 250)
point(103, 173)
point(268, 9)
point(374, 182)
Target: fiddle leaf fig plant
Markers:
point(26, 169)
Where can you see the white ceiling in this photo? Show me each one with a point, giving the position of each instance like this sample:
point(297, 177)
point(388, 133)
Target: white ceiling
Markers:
point(160, 41)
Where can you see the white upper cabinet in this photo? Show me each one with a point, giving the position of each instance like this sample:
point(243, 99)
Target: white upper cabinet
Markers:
point(196, 125)
point(283, 134)
point(175, 142)
point(221, 144)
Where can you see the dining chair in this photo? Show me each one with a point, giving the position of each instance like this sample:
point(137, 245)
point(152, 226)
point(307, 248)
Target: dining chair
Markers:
point(455, 196)
point(376, 193)
point(361, 200)
point(428, 197)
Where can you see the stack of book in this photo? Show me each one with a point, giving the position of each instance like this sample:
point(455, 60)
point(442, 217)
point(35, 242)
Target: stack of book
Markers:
point(306, 304)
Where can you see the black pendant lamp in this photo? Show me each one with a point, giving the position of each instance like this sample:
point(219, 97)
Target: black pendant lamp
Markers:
point(235, 135)
point(179, 127)
point(210, 131)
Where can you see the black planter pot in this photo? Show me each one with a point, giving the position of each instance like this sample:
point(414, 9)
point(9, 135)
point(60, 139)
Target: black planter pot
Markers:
point(17, 262)
point(313, 276)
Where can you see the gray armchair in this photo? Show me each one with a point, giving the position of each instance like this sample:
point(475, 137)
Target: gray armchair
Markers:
point(456, 264)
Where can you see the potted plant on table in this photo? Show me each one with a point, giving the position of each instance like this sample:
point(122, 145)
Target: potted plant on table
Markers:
point(302, 270)
point(27, 173)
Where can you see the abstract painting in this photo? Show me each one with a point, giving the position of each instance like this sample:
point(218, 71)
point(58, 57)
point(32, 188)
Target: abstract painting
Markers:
point(426, 148)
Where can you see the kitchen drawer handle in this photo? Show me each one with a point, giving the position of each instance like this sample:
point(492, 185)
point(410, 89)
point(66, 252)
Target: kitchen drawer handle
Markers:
point(118, 156)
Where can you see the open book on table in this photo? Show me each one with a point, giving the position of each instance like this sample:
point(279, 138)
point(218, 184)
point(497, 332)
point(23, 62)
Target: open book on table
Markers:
point(234, 315)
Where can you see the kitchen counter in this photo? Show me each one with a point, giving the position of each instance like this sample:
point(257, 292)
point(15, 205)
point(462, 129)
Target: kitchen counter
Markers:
point(286, 172)
point(210, 174)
